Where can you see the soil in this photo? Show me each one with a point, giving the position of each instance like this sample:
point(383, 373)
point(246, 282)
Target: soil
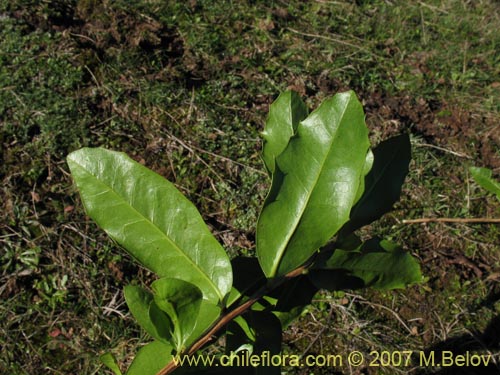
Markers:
point(441, 124)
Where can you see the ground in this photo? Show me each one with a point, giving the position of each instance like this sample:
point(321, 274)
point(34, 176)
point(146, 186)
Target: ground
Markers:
point(184, 88)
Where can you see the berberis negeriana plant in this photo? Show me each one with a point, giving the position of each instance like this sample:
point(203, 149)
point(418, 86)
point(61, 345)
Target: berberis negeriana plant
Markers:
point(326, 184)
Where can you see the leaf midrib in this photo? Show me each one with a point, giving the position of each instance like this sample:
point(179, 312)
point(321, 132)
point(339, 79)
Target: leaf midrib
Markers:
point(281, 250)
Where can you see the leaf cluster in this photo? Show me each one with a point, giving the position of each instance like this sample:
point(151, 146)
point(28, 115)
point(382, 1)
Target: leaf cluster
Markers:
point(326, 184)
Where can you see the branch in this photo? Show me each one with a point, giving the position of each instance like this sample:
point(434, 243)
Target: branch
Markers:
point(232, 314)
point(451, 220)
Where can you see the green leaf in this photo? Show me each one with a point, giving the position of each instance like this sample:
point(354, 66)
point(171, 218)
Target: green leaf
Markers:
point(140, 303)
point(319, 174)
point(291, 299)
point(181, 301)
point(109, 360)
point(378, 264)
point(150, 359)
point(336, 279)
point(248, 277)
point(284, 116)
point(260, 330)
point(157, 323)
point(383, 183)
point(212, 370)
point(366, 168)
point(207, 316)
point(151, 219)
point(483, 178)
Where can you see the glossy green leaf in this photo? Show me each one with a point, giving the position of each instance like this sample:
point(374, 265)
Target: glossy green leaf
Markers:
point(208, 315)
point(319, 174)
point(181, 301)
point(233, 296)
point(150, 359)
point(383, 183)
point(284, 116)
point(151, 219)
point(109, 360)
point(377, 264)
point(366, 169)
point(141, 305)
point(483, 178)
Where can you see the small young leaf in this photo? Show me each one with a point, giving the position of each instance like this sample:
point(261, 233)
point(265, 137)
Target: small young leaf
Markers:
point(181, 301)
point(284, 116)
point(383, 183)
point(483, 178)
point(151, 219)
point(320, 171)
point(378, 264)
point(150, 359)
point(140, 303)
point(109, 360)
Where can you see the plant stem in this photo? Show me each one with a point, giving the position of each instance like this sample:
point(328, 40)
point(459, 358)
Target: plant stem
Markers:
point(225, 319)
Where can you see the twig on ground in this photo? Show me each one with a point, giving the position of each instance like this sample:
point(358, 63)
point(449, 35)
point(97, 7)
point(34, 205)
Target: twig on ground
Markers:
point(444, 150)
point(451, 220)
point(331, 39)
